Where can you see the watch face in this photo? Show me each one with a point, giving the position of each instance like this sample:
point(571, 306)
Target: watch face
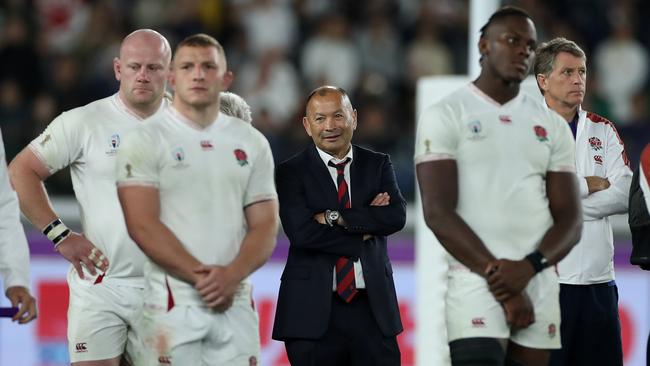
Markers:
point(334, 215)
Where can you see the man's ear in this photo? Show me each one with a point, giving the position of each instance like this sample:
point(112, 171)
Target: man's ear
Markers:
point(117, 68)
point(542, 82)
point(306, 125)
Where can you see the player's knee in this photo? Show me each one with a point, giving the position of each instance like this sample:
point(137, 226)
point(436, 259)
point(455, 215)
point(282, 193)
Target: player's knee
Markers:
point(476, 352)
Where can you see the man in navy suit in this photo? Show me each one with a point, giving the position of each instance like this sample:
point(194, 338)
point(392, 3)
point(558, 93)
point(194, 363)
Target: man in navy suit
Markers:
point(338, 202)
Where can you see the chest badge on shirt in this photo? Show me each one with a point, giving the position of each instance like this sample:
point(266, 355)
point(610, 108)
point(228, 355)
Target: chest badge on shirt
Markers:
point(595, 143)
point(541, 133)
point(206, 145)
point(475, 130)
point(113, 144)
point(178, 154)
point(242, 158)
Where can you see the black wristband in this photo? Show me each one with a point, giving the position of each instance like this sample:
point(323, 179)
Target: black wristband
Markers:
point(537, 260)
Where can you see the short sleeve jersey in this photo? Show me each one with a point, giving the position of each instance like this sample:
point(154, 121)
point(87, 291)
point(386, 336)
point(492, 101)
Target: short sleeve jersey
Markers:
point(87, 139)
point(502, 153)
point(205, 178)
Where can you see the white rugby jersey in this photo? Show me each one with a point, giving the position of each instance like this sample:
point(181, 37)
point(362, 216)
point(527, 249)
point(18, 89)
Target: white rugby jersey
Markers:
point(87, 139)
point(14, 253)
point(644, 178)
point(503, 153)
point(599, 152)
point(205, 177)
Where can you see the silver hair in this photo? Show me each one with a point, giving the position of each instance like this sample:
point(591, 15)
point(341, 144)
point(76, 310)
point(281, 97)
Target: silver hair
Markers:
point(235, 106)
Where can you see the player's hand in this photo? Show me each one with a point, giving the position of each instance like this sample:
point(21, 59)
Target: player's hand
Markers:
point(320, 218)
point(596, 184)
point(381, 199)
point(26, 304)
point(519, 311)
point(217, 287)
point(508, 278)
point(77, 250)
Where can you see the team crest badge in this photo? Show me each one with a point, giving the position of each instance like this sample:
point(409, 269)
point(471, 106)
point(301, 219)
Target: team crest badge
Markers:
point(475, 130)
point(595, 143)
point(178, 154)
point(241, 157)
point(541, 133)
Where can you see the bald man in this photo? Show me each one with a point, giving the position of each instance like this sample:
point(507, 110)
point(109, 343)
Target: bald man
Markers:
point(106, 276)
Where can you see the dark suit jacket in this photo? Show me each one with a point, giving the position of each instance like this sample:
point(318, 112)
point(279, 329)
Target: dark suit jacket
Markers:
point(305, 188)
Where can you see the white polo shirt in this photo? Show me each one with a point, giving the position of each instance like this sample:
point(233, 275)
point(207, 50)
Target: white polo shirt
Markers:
point(87, 139)
point(503, 153)
point(205, 177)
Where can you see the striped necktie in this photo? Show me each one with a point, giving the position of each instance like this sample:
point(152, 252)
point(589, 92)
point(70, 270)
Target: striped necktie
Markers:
point(345, 284)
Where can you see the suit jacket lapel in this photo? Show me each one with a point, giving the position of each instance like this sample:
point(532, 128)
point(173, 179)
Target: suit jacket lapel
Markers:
point(356, 179)
point(322, 175)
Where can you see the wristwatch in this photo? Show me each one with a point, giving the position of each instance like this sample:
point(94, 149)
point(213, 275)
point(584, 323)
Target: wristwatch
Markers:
point(331, 217)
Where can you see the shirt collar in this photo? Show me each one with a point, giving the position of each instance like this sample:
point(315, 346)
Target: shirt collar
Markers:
point(327, 157)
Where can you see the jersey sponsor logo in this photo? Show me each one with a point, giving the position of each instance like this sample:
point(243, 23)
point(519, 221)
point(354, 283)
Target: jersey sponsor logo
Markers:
point(81, 347)
point(167, 360)
point(46, 139)
point(478, 322)
point(595, 143)
point(242, 158)
point(475, 130)
point(598, 159)
point(552, 330)
point(505, 119)
point(206, 145)
point(541, 133)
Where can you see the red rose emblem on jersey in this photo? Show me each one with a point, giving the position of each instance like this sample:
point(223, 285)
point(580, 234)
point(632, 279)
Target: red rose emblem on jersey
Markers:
point(541, 133)
point(241, 157)
point(595, 143)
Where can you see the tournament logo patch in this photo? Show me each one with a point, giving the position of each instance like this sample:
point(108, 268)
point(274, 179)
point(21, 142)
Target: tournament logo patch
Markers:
point(598, 159)
point(552, 330)
point(475, 130)
point(115, 141)
point(541, 133)
point(595, 143)
point(113, 144)
point(178, 154)
point(241, 157)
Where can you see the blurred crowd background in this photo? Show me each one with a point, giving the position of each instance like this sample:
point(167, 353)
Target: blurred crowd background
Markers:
point(57, 54)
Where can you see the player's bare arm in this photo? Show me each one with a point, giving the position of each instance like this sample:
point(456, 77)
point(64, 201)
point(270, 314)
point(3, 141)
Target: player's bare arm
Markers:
point(510, 277)
point(27, 173)
point(141, 207)
point(219, 283)
point(596, 184)
point(438, 181)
